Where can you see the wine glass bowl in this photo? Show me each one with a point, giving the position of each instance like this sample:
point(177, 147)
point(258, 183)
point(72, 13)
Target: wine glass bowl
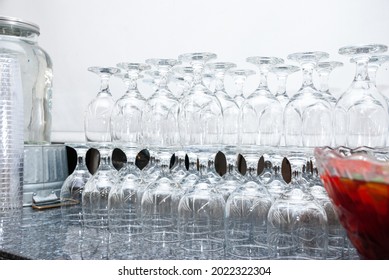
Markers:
point(361, 112)
point(98, 113)
point(357, 182)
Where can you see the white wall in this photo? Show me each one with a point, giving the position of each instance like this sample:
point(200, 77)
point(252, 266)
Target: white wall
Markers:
point(78, 34)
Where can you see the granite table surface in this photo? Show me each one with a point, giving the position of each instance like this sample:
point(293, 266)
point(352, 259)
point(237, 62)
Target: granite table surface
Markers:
point(47, 235)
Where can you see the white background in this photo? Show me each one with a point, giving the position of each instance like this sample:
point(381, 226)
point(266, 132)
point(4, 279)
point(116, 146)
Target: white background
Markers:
point(78, 34)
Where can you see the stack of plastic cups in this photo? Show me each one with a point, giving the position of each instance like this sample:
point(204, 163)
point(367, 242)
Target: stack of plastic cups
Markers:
point(11, 146)
point(11, 129)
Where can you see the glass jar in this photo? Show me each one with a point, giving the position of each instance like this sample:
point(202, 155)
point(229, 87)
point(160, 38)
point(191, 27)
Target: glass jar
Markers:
point(21, 38)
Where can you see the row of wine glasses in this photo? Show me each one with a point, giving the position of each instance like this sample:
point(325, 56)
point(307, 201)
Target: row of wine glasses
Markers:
point(212, 120)
point(265, 211)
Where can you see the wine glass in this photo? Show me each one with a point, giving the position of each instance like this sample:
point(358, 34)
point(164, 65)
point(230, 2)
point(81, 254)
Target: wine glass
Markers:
point(375, 62)
point(95, 205)
point(361, 112)
point(240, 77)
point(124, 210)
point(324, 69)
point(261, 112)
point(126, 117)
point(308, 115)
point(98, 112)
point(297, 225)
point(182, 79)
point(179, 170)
point(200, 221)
point(73, 186)
point(282, 72)
point(160, 117)
point(246, 213)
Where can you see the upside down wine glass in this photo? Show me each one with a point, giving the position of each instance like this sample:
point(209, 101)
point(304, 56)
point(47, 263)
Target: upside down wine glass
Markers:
point(308, 115)
point(95, 205)
point(98, 113)
point(324, 69)
point(126, 118)
point(73, 186)
point(361, 112)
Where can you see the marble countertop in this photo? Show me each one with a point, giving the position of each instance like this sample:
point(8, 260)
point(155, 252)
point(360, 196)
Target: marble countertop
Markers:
point(40, 235)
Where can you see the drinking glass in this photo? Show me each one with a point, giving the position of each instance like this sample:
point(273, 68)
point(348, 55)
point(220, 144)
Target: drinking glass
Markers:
point(324, 69)
point(185, 73)
point(182, 80)
point(282, 72)
point(124, 211)
point(95, 205)
point(231, 113)
point(261, 112)
point(126, 118)
point(246, 213)
point(240, 77)
point(361, 112)
point(375, 62)
point(297, 225)
point(98, 112)
point(200, 221)
point(308, 115)
point(73, 187)
point(200, 119)
point(160, 117)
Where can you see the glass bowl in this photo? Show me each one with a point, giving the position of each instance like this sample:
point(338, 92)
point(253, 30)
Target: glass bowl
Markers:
point(357, 182)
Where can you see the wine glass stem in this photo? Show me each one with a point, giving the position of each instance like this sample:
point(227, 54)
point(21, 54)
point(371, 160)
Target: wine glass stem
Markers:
point(104, 86)
point(197, 72)
point(281, 79)
point(80, 160)
point(219, 81)
point(373, 73)
point(324, 79)
point(307, 74)
point(362, 69)
point(263, 80)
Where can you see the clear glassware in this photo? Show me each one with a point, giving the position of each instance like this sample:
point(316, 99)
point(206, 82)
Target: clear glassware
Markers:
point(200, 221)
point(231, 113)
point(185, 73)
point(201, 115)
point(246, 221)
point(361, 112)
point(276, 185)
point(73, 187)
point(98, 112)
point(95, 204)
point(192, 174)
point(126, 117)
point(160, 117)
point(124, 204)
point(240, 77)
point(182, 80)
point(261, 112)
point(375, 62)
point(297, 225)
point(336, 233)
point(159, 205)
point(308, 115)
point(324, 69)
point(282, 72)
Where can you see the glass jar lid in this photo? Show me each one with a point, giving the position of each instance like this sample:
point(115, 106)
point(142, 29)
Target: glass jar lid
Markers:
point(17, 25)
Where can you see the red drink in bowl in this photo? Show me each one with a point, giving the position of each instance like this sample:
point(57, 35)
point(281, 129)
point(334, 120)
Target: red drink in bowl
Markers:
point(358, 186)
